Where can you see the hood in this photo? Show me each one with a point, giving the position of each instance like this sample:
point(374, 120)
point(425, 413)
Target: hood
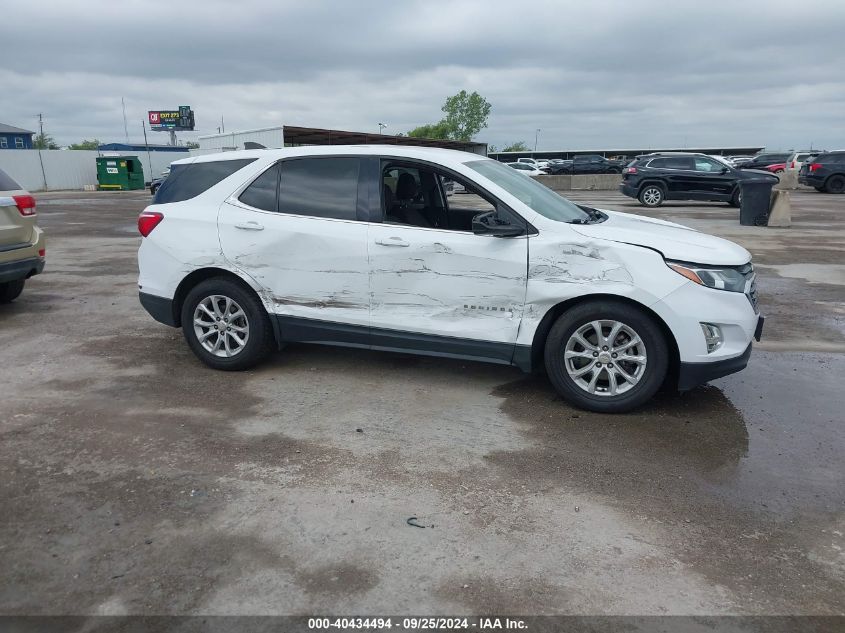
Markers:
point(672, 240)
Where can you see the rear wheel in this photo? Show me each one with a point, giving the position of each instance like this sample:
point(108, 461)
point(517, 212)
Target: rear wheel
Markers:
point(225, 325)
point(651, 196)
point(11, 290)
point(835, 184)
point(736, 198)
point(606, 356)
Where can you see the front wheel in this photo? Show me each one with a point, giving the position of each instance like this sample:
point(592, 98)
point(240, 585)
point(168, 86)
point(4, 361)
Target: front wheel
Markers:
point(11, 290)
point(651, 196)
point(225, 325)
point(606, 356)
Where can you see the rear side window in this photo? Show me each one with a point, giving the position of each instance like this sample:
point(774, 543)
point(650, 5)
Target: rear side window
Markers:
point(320, 187)
point(7, 183)
point(261, 194)
point(190, 180)
point(673, 162)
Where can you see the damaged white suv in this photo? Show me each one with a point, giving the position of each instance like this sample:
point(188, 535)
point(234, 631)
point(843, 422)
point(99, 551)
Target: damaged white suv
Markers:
point(361, 246)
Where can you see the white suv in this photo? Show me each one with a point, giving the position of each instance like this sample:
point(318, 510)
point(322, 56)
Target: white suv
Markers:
point(360, 246)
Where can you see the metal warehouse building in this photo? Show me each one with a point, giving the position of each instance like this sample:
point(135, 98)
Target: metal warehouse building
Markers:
point(508, 157)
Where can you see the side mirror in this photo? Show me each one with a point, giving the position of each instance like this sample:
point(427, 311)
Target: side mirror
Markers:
point(489, 223)
point(725, 170)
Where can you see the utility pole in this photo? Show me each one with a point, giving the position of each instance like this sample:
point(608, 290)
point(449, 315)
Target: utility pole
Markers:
point(222, 126)
point(40, 159)
point(125, 128)
point(536, 136)
point(149, 160)
point(381, 126)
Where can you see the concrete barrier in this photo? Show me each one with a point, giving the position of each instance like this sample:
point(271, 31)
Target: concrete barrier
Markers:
point(593, 182)
point(781, 209)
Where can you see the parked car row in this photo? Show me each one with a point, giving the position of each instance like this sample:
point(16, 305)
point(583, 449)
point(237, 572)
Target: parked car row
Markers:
point(585, 164)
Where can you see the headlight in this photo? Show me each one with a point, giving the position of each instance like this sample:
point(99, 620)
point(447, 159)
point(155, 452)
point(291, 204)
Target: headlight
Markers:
point(720, 278)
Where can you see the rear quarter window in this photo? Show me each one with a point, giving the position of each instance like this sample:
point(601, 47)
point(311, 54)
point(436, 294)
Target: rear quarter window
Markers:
point(7, 183)
point(190, 180)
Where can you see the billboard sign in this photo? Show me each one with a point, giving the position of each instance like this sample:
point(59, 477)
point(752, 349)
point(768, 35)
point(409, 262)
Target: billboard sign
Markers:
point(175, 120)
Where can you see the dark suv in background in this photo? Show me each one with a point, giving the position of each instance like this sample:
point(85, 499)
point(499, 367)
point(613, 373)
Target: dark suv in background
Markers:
point(586, 164)
point(761, 161)
point(654, 178)
point(825, 172)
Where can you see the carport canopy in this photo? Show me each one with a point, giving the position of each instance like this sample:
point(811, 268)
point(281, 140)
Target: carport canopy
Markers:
point(317, 136)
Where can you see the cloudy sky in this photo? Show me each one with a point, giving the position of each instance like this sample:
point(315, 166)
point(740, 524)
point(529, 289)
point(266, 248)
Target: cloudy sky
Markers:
point(589, 74)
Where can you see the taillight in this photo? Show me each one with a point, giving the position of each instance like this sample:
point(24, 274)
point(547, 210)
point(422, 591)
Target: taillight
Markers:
point(25, 204)
point(630, 170)
point(147, 221)
point(42, 252)
point(815, 166)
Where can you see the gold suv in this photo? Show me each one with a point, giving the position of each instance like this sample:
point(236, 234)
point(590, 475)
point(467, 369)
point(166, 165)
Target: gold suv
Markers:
point(22, 243)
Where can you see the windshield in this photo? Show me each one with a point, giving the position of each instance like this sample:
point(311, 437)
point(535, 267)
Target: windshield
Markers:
point(539, 197)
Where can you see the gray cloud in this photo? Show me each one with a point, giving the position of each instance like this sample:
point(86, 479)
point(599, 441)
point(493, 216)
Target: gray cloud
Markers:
point(595, 74)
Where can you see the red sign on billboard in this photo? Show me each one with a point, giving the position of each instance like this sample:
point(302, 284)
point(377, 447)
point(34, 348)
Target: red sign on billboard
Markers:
point(154, 118)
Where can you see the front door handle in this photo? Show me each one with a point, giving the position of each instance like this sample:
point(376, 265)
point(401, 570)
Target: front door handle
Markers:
point(393, 241)
point(250, 226)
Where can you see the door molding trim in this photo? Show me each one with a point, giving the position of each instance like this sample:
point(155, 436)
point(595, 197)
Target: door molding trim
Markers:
point(303, 330)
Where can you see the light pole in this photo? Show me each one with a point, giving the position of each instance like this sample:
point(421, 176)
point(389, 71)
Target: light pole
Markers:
point(536, 136)
point(381, 126)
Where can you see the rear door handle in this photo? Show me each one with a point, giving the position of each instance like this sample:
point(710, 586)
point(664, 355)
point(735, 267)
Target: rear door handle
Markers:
point(393, 241)
point(250, 226)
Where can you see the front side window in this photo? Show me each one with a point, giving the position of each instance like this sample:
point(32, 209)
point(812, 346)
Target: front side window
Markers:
point(707, 165)
point(320, 187)
point(414, 194)
point(261, 194)
point(537, 197)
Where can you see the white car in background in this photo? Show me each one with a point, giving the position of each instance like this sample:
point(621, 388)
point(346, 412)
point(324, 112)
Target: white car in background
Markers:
point(538, 164)
point(794, 162)
point(527, 168)
point(241, 253)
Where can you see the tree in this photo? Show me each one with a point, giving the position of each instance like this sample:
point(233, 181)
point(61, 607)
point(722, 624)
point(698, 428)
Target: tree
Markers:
point(431, 130)
point(86, 144)
point(466, 115)
point(192, 145)
point(43, 141)
point(519, 146)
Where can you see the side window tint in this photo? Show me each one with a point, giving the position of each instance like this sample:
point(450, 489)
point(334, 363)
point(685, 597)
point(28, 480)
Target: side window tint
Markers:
point(709, 166)
point(657, 163)
point(261, 194)
point(679, 162)
point(190, 180)
point(320, 187)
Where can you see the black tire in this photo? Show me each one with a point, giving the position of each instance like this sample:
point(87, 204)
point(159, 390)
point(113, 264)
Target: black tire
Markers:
point(259, 341)
point(643, 325)
point(835, 184)
point(651, 195)
point(819, 189)
point(736, 198)
point(11, 290)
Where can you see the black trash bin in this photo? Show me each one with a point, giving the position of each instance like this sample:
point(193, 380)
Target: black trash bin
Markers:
point(756, 190)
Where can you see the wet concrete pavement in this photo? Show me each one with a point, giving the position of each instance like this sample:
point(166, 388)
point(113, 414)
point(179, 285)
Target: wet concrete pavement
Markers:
point(135, 480)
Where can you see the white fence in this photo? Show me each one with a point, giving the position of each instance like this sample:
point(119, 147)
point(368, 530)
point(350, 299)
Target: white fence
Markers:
point(71, 169)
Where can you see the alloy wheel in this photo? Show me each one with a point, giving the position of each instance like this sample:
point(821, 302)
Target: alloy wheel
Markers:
point(652, 196)
point(605, 358)
point(221, 326)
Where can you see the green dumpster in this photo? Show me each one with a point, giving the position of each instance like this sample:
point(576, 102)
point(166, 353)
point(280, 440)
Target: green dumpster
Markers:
point(121, 173)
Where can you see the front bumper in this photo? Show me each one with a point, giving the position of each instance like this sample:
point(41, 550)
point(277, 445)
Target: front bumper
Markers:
point(693, 374)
